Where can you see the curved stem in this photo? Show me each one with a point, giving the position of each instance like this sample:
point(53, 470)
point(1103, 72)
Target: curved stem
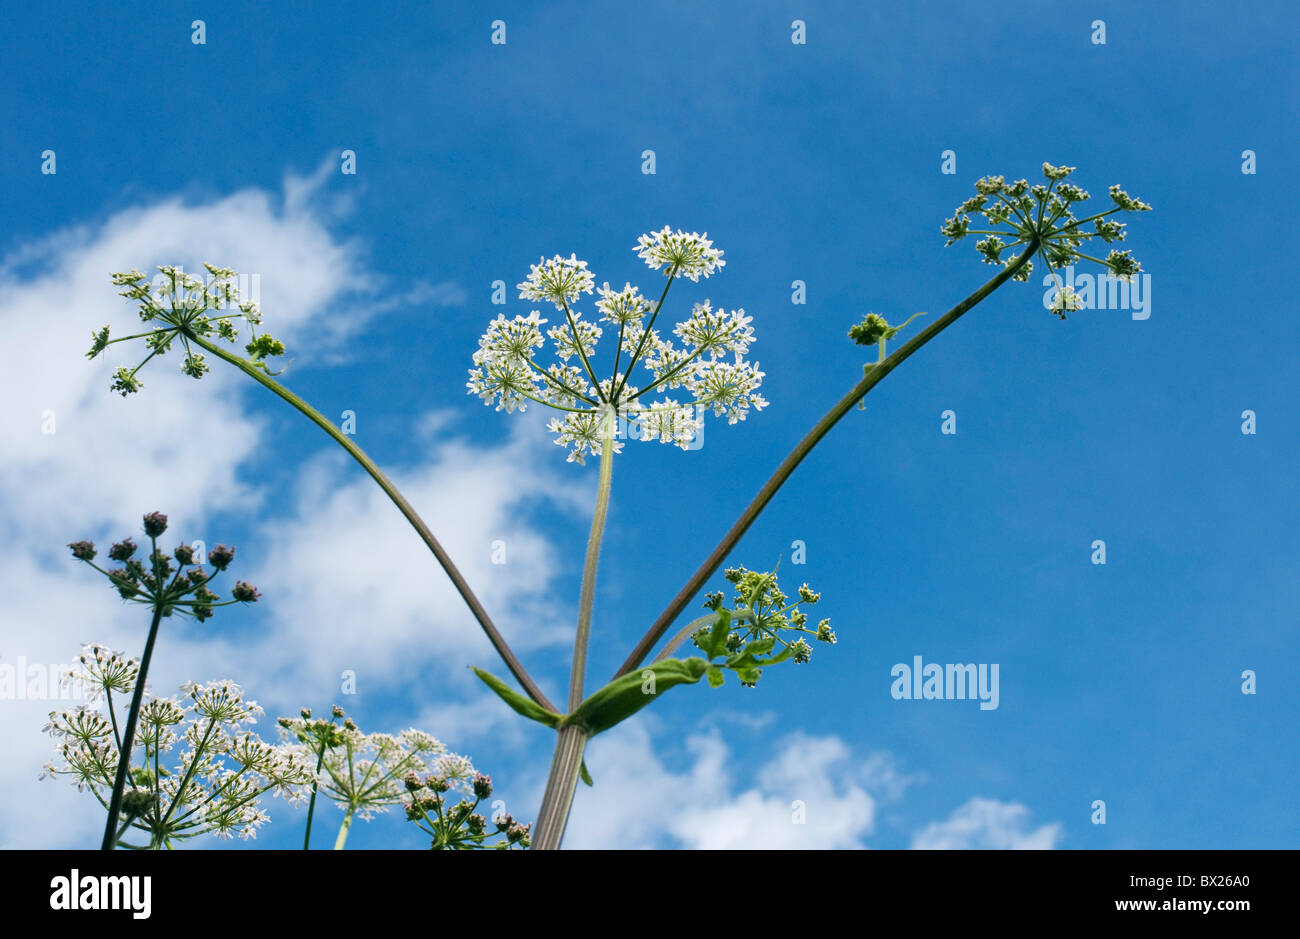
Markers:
point(801, 450)
point(128, 735)
point(690, 629)
point(458, 581)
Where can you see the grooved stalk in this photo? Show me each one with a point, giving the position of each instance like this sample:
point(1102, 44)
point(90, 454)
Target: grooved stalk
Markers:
point(801, 450)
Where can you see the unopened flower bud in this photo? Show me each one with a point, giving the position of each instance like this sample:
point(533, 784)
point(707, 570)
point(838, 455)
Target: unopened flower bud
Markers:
point(482, 786)
point(83, 550)
point(155, 523)
point(245, 593)
point(136, 802)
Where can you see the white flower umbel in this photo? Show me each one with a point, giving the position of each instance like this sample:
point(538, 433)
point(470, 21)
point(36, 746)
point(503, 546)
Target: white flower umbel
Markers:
point(212, 785)
point(709, 361)
point(364, 773)
point(1042, 219)
point(706, 359)
point(691, 254)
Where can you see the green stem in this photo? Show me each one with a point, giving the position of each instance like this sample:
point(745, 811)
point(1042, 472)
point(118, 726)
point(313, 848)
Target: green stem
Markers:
point(128, 735)
point(560, 785)
point(801, 450)
point(582, 353)
point(311, 806)
point(588, 597)
point(645, 334)
point(458, 581)
point(691, 628)
point(343, 830)
point(563, 780)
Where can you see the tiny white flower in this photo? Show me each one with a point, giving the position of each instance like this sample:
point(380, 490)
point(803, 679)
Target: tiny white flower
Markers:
point(565, 345)
point(729, 388)
point(513, 340)
point(625, 306)
point(691, 255)
point(559, 280)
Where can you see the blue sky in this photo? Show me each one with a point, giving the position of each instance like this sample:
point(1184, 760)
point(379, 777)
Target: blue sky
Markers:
point(818, 162)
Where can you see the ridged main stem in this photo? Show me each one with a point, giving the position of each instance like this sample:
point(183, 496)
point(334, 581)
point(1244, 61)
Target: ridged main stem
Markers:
point(567, 761)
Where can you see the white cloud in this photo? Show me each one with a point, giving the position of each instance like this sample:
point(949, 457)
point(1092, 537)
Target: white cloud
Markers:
point(343, 579)
point(356, 589)
point(638, 802)
point(346, 583)
point(988, 824)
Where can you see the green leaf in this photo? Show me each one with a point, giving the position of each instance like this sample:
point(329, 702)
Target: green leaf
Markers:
point(748, 656)
point(624, 696)
point(716, 643)
point(716, 678)
point(522, 705)
point(779, 657)
point(584, 775)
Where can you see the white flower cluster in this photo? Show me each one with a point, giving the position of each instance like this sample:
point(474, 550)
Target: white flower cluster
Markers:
point(213, 784)
point(364, 773)
point(707, 359)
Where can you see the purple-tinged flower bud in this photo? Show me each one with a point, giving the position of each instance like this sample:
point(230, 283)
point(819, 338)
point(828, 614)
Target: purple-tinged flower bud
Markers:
point(412, 782)
point(122, 550)
point(482, 786)
point(221, 556)
point(184, 554)
point(83, 550)
point(245, 593)
point(155, 523)
point(125, 584)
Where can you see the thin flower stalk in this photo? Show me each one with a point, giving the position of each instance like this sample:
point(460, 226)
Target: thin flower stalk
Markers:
point(185, 309)
point(1039, 217)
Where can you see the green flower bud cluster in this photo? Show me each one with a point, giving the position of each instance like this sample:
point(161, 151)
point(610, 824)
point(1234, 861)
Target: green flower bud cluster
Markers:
point(761, 628)
point(186, 308)
point(1043, 218)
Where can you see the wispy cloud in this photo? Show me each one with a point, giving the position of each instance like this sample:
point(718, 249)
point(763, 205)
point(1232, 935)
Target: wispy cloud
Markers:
point(345, 584)
point(988, 824)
